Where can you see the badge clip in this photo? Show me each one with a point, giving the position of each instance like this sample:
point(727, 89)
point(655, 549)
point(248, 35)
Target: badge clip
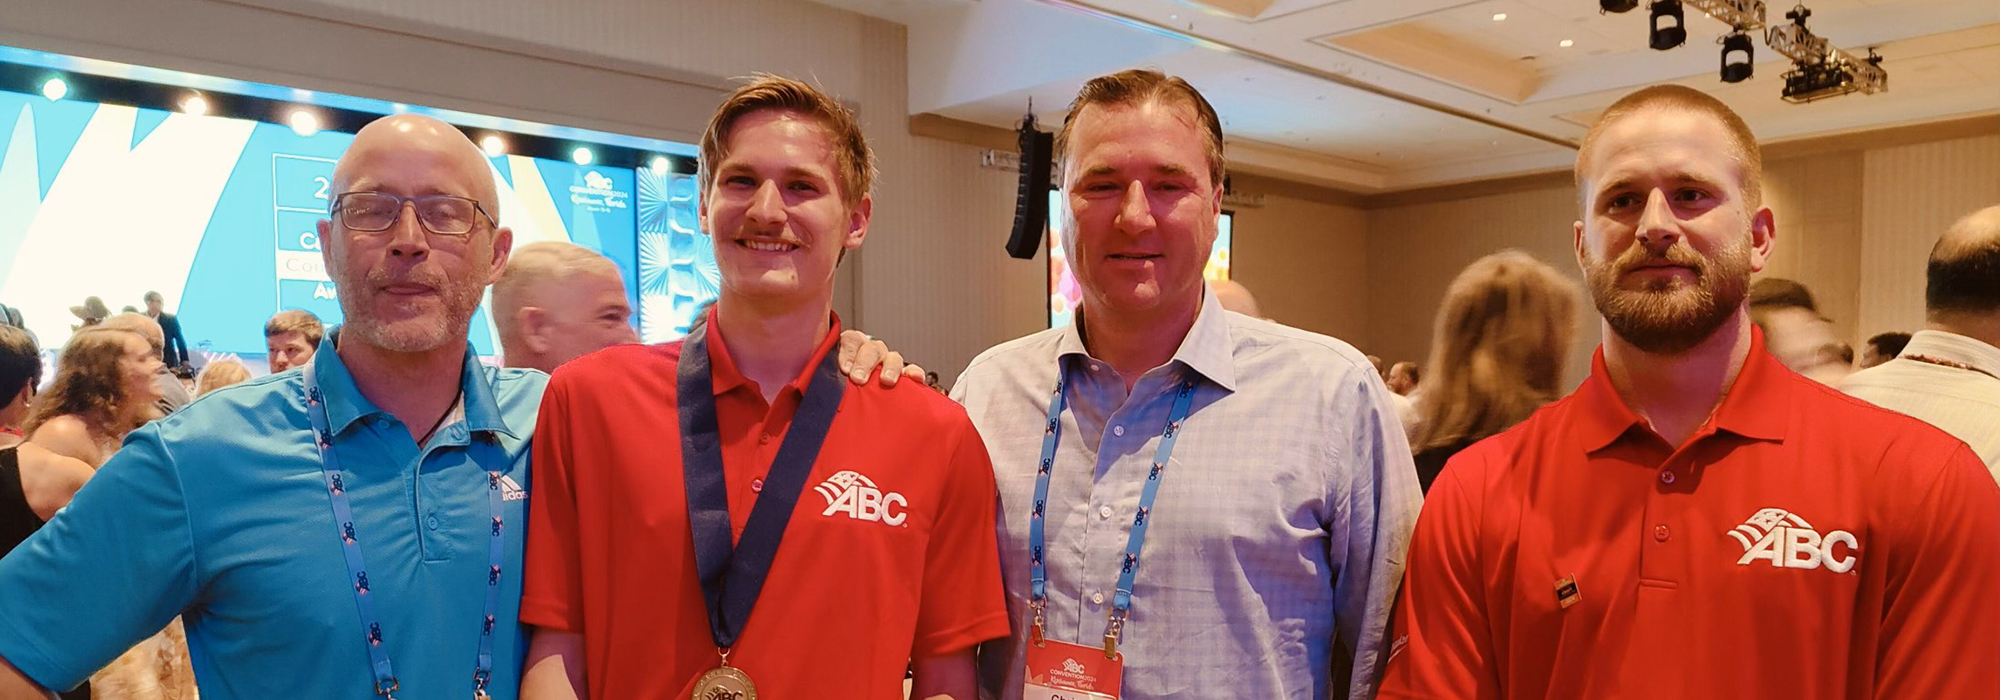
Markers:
point(1111, 635)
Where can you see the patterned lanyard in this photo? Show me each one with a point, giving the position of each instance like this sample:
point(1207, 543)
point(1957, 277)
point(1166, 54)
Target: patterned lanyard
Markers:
point(1121, 603)
point(357, 568)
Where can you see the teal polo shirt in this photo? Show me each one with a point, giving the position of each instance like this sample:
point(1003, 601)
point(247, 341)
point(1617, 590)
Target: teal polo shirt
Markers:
point(220, 513)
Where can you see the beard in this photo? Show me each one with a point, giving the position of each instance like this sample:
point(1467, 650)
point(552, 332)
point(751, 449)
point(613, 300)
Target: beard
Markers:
point(1669, 317)
point(430, 324)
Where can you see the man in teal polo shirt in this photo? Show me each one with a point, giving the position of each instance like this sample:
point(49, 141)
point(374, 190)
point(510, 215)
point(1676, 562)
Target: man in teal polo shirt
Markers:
point(226, 512)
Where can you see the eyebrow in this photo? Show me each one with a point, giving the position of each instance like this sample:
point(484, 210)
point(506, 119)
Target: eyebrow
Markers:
point(1631, 181)
point(1167, 169)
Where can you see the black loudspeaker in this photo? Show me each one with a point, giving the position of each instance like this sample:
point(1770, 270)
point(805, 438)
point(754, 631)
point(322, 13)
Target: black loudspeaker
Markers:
point(1031, 201)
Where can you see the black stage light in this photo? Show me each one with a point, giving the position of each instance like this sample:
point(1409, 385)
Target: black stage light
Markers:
point(1739, 70)
point(1617, 5)
point(1031, 200)
point(1667, 37)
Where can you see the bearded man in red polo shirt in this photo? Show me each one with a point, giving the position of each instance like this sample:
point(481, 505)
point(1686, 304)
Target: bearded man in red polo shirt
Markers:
point(721, 517)
point(1697, 521)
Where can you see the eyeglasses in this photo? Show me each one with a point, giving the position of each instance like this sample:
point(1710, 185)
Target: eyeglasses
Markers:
point(442, 214)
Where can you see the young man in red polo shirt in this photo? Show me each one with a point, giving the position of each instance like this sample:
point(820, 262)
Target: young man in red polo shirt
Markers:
point(668, 559)
point(1697, 521)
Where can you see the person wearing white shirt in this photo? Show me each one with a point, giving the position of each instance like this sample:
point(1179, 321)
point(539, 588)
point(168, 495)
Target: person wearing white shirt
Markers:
point(1949, 374)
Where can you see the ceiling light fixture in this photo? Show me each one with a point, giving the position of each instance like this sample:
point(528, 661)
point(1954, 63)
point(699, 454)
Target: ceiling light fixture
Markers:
point(493, 145)
point(582, 156)
point(1616, 5)
point(1667, 36)
point(1566, 43)
point(55, 89)
point(195, 105)
point(1740, 69)
point(304, 123)
point(1499, 16)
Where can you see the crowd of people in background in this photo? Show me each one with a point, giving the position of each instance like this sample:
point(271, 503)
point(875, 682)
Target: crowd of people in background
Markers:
point(1564, 542)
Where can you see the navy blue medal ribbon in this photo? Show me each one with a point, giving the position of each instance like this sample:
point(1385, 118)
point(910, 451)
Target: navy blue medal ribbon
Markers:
point(733, 576)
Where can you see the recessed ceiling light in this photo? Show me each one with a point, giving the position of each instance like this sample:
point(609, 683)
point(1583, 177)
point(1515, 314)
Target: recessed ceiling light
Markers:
point(304, 123)
point(660, 165)
point(55, 89)
point(1499, 16)
point(493, 145)
point(1566, 43)
point(582, 156)
point(195, 105)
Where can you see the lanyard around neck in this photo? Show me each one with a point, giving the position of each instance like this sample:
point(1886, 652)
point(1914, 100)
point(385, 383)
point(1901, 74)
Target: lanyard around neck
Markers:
point(1121, 603)
point(357, 567)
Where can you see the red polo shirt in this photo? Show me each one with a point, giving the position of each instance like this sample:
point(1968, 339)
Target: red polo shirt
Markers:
point(862, 582)
point(1802, 545)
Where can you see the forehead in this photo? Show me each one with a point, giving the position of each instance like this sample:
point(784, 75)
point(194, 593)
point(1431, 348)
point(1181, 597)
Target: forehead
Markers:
point(413, 166)
point(1150, 133)
point(780, 137)
point(1659, 142)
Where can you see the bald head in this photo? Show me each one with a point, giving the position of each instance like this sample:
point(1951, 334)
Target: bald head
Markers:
point(141, 324)
point(415, 143)
point(1964, 273)
point(1236, 297)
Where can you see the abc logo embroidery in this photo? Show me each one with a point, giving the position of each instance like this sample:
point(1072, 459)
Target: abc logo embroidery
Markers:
point(853, 494)
point(1786, 540)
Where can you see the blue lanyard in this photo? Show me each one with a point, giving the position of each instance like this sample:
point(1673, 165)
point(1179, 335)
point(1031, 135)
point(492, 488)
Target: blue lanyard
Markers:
point(1121, 603)
point(357, 568)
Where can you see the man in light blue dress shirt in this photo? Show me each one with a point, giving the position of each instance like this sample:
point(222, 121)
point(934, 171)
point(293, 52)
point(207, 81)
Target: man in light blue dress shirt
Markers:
point(1274, 545)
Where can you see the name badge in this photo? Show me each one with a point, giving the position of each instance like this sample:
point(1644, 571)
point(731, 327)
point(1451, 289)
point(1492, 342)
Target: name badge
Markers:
point(1063, 671)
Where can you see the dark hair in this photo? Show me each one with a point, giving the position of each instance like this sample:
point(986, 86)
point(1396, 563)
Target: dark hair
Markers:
point(20, 362)
point(90, 380)
point(1889, 344)
point(1967, 281)
point(1137, 87)
point(1778, 293)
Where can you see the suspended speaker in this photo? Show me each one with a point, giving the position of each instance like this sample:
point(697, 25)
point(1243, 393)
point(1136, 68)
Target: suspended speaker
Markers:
point(1031, 201)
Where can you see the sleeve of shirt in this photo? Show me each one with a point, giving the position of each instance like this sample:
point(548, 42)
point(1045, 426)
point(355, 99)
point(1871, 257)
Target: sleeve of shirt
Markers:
point(112, 568)
point(1376, 483)
point(1941, 619)
point(962, 601)
point(1443, 650)
point(552, 589)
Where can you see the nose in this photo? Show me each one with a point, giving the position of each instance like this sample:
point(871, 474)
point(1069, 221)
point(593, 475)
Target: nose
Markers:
point(407, 237)
point(1135, 212)
point(767, 206)
point(1658, 229)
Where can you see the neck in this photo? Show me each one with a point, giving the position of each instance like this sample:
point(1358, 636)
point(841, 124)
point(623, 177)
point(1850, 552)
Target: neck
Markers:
point(128, 418)
point(415, 387)
point(514, 353)
point(771, 342)
point(1677, 393)
point(1984, 329)
point(1135, 343)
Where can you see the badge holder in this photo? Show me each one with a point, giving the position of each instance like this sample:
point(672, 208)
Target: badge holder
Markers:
point(1059, 670)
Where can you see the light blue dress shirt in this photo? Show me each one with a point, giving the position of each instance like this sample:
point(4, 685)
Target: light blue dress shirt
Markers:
point(1280, 526)
point(220, 513)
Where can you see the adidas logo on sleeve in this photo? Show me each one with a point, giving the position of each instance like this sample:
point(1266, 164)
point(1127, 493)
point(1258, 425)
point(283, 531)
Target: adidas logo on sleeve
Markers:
point(851, 493)
point(1786, 540)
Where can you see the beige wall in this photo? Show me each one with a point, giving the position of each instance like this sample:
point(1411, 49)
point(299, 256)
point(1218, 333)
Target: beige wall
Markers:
point(1307, 262)
point(1854, 226)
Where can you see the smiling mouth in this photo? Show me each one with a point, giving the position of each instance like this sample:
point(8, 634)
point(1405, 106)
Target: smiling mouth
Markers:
point(408, 289)
point(767, 246)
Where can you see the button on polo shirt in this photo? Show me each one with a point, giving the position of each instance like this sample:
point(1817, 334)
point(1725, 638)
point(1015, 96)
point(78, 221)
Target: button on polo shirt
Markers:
point(1801, 545)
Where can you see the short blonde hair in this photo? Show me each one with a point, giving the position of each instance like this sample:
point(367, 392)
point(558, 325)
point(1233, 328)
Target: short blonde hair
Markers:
point(765, 92)
point(1748, 156)
point(220, 374)
point(532, 265)
point(1137, 87)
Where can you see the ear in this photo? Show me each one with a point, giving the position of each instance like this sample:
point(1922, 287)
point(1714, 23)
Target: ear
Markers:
point(503, 246)
point(857, 222)
point(533, 322)
point(1577, 243)
point(324, 228)
point(1763, 237)
point(701, 211)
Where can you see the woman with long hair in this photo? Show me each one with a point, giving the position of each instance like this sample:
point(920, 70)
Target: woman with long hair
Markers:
point(104, 388)
point(1497, 354)
point(219, 374)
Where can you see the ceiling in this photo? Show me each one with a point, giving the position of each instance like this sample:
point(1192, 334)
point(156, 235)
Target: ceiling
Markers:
point(1372, 96)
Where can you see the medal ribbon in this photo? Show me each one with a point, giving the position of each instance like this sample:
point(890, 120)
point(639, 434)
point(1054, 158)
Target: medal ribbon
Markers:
point(732, 577)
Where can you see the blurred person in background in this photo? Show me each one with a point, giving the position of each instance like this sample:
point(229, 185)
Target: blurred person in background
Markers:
point(175, 349)
point(291, 337)
point(173, 394)
point(1883, 347)
point(1796, 332)
point(104, 388)
point(558, 301)
point(20, 374)
point(1403, 378)
point(218, 375)
point(91, 312)
point(1236, 297)
point(1949, 373)
point(1497, 354)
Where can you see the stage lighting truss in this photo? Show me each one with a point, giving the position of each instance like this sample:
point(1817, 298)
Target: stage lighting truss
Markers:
point(1819, 69)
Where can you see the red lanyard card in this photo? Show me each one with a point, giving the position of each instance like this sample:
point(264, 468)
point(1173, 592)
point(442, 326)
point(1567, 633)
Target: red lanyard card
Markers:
point(1063, 671)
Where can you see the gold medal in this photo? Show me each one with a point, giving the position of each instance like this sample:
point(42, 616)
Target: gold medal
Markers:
point(724, 683)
